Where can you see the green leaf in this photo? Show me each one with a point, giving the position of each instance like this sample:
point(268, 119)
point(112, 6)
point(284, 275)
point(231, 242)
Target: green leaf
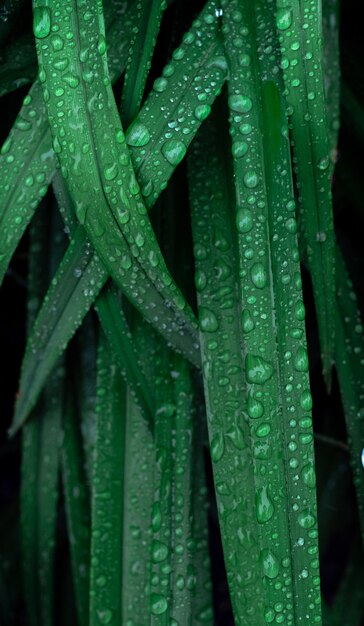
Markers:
point(274, 346)
point(139, 491)
point(332, 70)
point(108, 493)
point(40, 446)
point(213, 212)
point(77, 506)
point(301, 56)
point(140, 54)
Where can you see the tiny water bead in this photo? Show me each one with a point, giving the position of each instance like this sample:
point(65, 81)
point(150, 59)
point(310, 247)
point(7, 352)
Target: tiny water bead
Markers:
point(251, 179)
point(41, 22)
point(105, 616)
point(159, 551)
point(202, 111)
point(247, 321)
point(244, 220)
point(258, 275)
point(240, 104)
point(306, 519)
point(208, 320)
point(239, 149)
point(264, 505)
point(308, 475)
point(284, 18)
point(301, 360)
point(174, 151)
point(217, 447)
point(269, 563)
point(158, 604)
point(255, 408)
point(258, 370)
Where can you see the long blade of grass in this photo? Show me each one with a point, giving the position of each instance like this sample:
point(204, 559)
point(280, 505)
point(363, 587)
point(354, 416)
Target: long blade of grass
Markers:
point(184, 573)
point(332, 71)
point(116, 329)
point(140, 54)
point(304, 91)
point(80, 281)
point(26, 167)
point(212, 207)
point(139, 514)
point(40, 444)
point(160, 135)
point(162, 525)
point(108, 493)
point(202, 609)
point(276, 362)
point(77, 506)
point(86, 391)
point(349, 364)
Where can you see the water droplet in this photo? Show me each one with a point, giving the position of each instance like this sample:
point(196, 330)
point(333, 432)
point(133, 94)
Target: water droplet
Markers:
point(255, 408)
point(41, 21)
point(324, 163)
point(217, 447)
point(263, 430)
point(308, 475)
point(284, 18)
point(205, 615)
point(258, 370)
point(301, 360)
point(244, 220)
point(306, 400)
point(250, 179)
point(258, 275)
point(239, 149)
point(174, 151)
point(101, 46)
point(200, 280)
point(362, 457)
point(240, 104)
point(269, 563)
point(158, 604)
point(207, 320)
point(71, 80)
point(137, 135)
point(111, 171)
point(202, 111)
point(159, 551)
point(236, 437)
point(264, 505)
point(269, 615)
point(57, 43)
point(156, 516)
point(306, 519)
point(299, 311)
point(247, 321)
point(105, 616)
